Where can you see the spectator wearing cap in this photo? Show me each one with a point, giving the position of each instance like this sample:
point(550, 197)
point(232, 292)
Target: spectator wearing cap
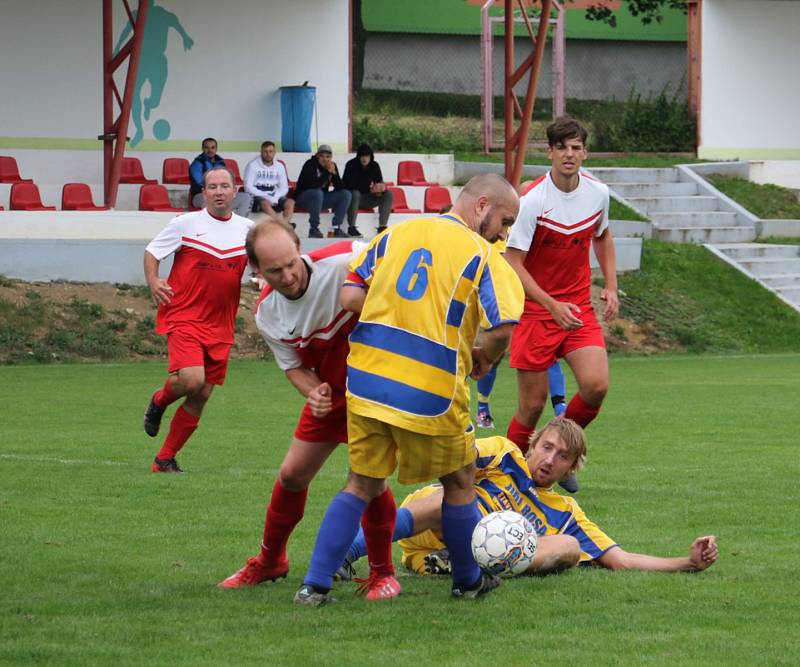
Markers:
point(363, 177)
point(320, 186)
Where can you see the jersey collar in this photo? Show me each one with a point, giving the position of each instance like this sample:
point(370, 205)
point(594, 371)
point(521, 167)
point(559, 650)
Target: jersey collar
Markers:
point(454, 218)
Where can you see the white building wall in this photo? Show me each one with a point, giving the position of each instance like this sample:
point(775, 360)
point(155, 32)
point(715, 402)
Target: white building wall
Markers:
point(226, 85)
point(750, 91)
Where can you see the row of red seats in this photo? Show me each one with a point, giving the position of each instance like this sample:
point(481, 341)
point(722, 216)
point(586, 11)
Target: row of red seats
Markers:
point(153, 197)
point(175, 171)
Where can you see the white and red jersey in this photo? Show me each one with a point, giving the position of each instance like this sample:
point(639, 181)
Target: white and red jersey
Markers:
point(312, 331)
point(206, 275)
point(556, 229)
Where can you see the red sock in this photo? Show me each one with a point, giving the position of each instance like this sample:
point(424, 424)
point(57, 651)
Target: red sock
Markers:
point(580, 411)
point(180, 430)
point(378, 525)
point(519, 434)
point(284, 512)
point(164, 396)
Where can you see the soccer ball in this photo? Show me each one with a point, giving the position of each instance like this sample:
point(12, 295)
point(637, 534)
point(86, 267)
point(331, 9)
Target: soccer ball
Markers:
point(504, 543)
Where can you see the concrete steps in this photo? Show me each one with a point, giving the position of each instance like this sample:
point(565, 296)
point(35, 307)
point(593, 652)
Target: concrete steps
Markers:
point(676, 207)
point(776, 267)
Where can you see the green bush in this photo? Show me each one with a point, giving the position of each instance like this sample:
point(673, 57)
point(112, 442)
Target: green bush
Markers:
point(389, 136)
point(649, 124)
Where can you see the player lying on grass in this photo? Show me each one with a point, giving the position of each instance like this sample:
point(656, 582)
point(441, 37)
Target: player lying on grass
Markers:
point(507, 480)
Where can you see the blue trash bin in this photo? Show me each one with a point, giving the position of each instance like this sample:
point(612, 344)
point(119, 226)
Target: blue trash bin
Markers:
point(297, 110)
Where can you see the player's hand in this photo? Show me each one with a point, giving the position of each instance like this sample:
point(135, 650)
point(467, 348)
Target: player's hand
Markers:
point(481, 364)
point(611, 297)
point(703, 552)
point(564, 314)
point(319, 400)
point(161, 292)
point(188, 43)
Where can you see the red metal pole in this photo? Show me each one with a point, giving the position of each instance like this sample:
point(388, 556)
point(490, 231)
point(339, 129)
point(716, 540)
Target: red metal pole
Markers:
point(113, 131)
point(509, 87)
point(527, 112)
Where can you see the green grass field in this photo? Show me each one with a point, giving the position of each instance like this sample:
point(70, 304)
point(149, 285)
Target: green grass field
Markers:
point(104, 563)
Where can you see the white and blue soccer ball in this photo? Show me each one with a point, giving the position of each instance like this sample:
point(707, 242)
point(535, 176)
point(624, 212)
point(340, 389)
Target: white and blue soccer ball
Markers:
point(504, 543)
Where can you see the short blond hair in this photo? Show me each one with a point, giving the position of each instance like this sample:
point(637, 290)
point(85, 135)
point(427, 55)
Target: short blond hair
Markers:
point(573, 436)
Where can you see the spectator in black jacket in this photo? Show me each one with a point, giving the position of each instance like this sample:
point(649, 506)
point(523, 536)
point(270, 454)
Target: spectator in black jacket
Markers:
point(319, 186)
point(363, 177)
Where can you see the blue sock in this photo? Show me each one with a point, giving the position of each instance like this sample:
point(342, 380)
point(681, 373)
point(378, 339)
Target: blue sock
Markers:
point(335, 535)
point(485, 386)
point(558, 388)
point(458, 522)
point(403, 527)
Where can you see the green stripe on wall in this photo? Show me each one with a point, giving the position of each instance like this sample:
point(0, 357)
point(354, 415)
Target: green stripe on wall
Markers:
point(712, 153)
point(178, 145)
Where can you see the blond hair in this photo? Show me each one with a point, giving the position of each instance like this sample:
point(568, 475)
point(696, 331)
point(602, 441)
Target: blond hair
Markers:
point(573, 436)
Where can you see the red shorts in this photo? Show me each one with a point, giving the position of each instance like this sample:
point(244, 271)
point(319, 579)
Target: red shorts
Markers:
point(331, 428)
point(186, 350)
point(537, 344)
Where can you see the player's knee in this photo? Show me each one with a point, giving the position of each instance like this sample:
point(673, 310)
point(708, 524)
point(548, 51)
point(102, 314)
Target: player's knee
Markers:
point(595, 391)
point(294, 478)
point(570, 554)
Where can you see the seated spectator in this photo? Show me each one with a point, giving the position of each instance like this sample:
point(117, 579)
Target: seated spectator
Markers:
point(200, 165)
point(363, 177)
point(267, 182)
point(320, 186)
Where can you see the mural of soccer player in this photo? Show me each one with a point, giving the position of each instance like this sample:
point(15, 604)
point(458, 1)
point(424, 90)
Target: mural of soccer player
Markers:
point(153, 66)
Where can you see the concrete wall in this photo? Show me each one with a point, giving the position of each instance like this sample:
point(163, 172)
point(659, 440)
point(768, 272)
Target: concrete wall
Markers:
point(225, 85)
point(595, 69)
point(779, 172)
point(750, 92)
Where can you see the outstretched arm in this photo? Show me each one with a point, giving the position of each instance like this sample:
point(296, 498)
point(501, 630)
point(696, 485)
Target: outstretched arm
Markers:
point(702, 554)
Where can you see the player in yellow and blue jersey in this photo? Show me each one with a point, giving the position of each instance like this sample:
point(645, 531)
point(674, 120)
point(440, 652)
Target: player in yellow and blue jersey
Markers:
point(507, 480)
point(424, 289)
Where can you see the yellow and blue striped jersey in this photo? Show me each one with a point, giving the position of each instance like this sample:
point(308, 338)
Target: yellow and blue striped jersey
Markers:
point(503, 482)
point(432, 283)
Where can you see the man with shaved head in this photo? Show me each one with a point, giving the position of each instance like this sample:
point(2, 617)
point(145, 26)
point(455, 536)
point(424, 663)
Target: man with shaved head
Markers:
point(305, 326)
point(423, 288)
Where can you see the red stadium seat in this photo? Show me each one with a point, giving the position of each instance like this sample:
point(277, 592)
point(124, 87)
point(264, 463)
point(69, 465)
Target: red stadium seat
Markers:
point(9, 172)
point(78, 197)
point(175, 171)
point(132, 172)
point(25, 197)
point(156, 198)
point(436, 199)
point(399, 203)
point(409, 172)
point(292, 183)
point(233, 165)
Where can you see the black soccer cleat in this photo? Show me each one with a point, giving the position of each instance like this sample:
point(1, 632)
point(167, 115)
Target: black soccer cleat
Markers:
point(487, 582)
point(152, 419)
point(570, 483)
point(346, 571)
point(165, 465)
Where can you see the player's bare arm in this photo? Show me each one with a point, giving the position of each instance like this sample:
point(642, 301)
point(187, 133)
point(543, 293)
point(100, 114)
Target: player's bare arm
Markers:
point(352, 298)
point(494, 343)
point(702, 554)
point(316, 392)
point(160, 289)
point(563, 312)
point(607, 259)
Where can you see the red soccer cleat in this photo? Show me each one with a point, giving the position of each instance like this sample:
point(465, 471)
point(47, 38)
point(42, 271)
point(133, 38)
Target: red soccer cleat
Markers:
point(378, 587)
point(255, 572)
